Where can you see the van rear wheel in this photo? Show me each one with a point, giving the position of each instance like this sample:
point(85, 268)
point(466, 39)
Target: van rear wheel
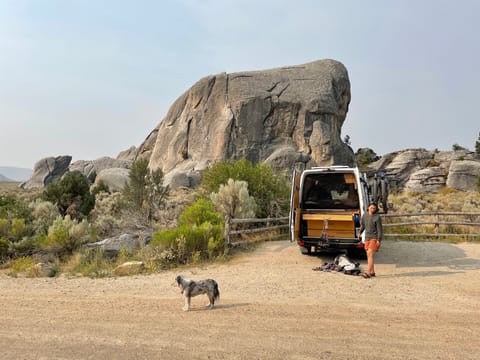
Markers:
point(306, 250)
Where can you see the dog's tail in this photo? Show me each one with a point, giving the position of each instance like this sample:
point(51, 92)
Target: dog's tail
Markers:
point(216, 292)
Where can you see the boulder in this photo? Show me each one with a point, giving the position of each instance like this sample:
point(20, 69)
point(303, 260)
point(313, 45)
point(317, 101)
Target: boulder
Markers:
point(463, 175)
point(42, 270)
point(47, 170)
point(403, 163)
point(284, 115)
point(114, 178)
point(113, 245)
point(129, 268)
point(428, 180)
point(130, 154)
point(91, 168)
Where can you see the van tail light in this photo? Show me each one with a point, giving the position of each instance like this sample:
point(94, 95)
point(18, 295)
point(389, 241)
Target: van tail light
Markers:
point(300, 243)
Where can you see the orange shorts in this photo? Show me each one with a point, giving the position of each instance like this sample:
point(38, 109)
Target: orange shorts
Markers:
point(372, 244)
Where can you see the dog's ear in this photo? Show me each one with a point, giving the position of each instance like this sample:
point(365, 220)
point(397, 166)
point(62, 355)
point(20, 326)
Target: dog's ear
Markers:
point(177, 279)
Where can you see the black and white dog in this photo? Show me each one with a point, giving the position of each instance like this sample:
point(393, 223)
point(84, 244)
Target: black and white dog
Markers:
point(192, 288)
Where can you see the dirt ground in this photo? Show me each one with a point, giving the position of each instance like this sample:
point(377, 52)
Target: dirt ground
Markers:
point(424, 304)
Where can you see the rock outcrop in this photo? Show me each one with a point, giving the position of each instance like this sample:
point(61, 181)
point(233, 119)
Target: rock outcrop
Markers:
point(47, 170)
point(128, 241)
point(114, 178)
point(281, 115)
point(463, 174)
point(91, 168)
point(420, 170)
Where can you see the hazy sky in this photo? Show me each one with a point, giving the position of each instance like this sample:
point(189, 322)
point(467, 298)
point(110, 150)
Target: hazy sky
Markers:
point(90, 78)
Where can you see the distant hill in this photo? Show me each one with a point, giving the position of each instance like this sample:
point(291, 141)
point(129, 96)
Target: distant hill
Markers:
point(10, 173)
point(4, 178)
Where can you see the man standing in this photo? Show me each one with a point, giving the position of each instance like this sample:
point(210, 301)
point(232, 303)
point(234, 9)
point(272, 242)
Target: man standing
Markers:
point(371, 223)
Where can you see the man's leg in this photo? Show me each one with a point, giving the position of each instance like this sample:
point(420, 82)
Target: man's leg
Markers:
point(370, 263)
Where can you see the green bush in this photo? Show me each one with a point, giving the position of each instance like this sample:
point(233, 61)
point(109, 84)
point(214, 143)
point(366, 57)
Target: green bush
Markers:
point(106, 215)
point(18, 229)
point(65, 236)
point(25, 247)
point(203, 210)
point(477, 145)
point(456, 147)
point(44, 213)
point(364, 157)
point(183, 243)
point(101, 186)
point(11, 207)
point(15, 219)
point(3, 247)
point(71, 194)
point(432, 163)
point(4, 227)
point(145, 191)
point(270, 191)
point(91, 263)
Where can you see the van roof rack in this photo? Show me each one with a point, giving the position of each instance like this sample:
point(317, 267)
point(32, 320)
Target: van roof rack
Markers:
point(332, 167)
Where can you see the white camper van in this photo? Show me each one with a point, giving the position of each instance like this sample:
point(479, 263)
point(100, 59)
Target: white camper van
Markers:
point(326, 205)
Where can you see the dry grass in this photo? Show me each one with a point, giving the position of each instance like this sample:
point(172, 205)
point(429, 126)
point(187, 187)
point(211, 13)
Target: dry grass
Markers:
point(446, 200)
point(13, 189)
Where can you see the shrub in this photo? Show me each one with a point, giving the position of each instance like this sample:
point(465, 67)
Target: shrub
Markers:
point(65, 235)
point(3, 247)
point(145, 191)
point(91, 263)
point(10, 208)
point(456, 147)
point(233, 200)
point(22, 264)
point(270, 191)
point(71, 194)
point(44, 213)
point(477, 145)
point(181, 244)
point(4, 227)
point(364, 157)
point(432, 163)
point(100, 187)
point(106, 215)
point(203, 210)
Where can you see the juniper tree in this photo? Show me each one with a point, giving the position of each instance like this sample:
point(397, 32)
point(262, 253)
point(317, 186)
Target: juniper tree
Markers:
point(145, 191)
point(477, 145)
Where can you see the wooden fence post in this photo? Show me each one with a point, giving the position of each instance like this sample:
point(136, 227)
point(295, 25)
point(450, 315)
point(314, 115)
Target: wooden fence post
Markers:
point(228, 221)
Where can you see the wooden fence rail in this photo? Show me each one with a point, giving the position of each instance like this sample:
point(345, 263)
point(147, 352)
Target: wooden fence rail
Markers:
point(236, 227)
point(440, 219)
point(271, 224)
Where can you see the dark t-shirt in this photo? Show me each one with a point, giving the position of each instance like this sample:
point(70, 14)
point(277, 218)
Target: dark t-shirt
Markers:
point(372, 224)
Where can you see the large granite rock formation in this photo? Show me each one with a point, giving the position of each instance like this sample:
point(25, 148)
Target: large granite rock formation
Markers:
point(47, 170)
point(281, 115)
